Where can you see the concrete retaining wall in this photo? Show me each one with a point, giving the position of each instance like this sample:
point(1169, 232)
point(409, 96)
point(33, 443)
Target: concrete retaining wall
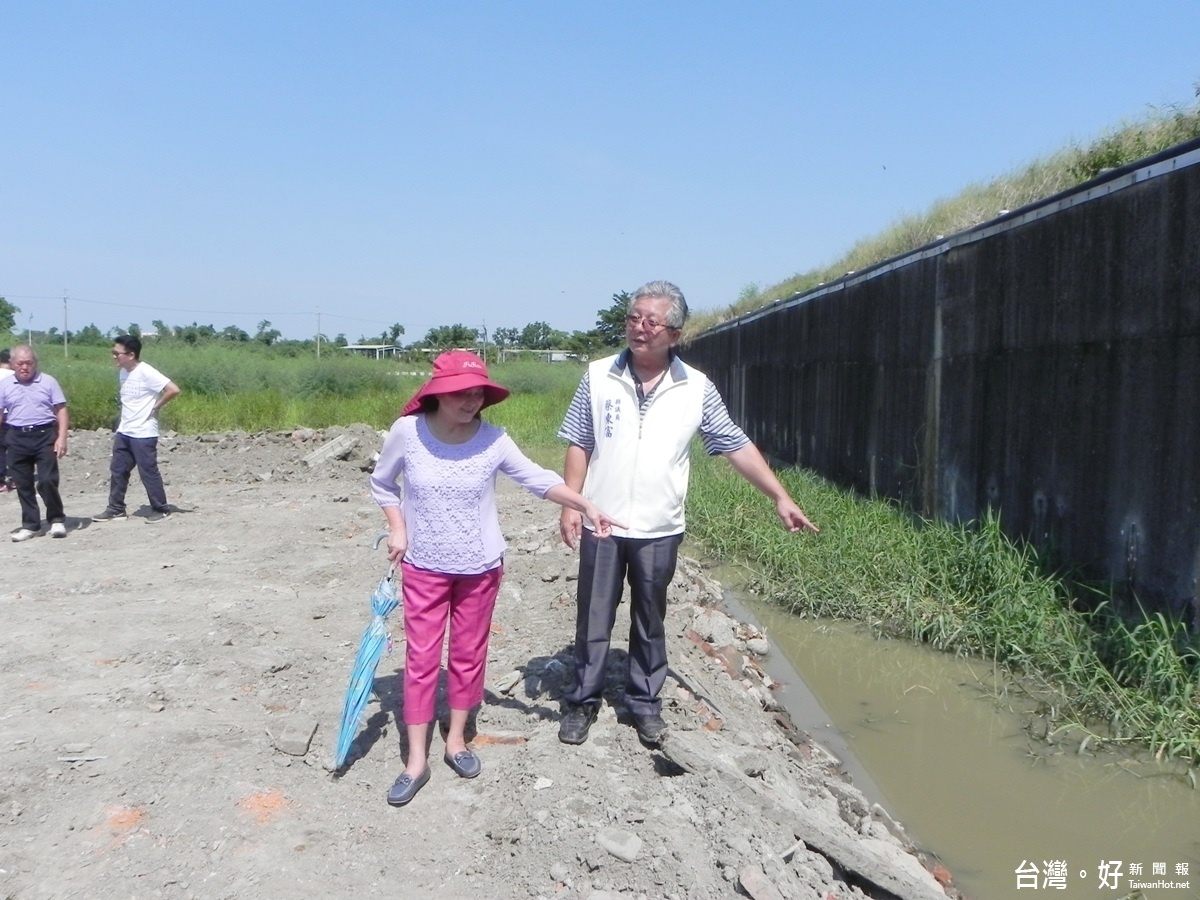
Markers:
point(1045, 365)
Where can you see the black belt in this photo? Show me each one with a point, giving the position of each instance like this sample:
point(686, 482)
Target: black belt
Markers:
point(33, 427)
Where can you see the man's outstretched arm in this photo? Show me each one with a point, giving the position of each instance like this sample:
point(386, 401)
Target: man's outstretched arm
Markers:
point(751, 465)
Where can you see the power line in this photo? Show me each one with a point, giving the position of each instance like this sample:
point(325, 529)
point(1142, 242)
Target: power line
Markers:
point(375, 323)
point(195, 312)
point(206, 312)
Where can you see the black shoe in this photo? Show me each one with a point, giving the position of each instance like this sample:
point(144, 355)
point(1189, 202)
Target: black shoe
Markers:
point(109, 516)
point(406, 788)
point(573, 729)
point(158, 515)
point(465, 764)
point(650, 729)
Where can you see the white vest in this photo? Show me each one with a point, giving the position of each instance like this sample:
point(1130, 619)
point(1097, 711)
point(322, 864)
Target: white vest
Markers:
point(638, 471)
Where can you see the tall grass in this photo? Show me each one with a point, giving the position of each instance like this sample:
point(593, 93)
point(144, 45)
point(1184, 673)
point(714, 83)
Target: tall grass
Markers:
point(966, 590)
point(247, 388)
point(239, 387)
point(540, 395)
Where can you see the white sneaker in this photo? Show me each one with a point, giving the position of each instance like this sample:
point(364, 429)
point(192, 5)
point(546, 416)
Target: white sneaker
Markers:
point(23, 534)
point(58, 529)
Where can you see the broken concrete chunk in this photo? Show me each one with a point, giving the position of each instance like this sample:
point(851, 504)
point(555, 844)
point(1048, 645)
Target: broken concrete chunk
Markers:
point(757, 885)
point(338, 448)
point(292, 735)
point(624, 845)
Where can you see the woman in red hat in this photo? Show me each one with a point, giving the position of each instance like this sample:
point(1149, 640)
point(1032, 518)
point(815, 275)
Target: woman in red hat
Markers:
point(435, 481)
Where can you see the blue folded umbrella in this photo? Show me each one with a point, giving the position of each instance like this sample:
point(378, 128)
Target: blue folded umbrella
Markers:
point(362, 676)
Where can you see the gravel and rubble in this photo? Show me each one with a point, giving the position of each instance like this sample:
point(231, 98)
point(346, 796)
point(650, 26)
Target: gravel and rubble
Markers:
point(171, 695)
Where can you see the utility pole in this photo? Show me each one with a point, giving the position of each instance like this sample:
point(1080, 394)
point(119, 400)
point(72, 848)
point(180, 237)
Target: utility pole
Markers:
point(65, 352)
point(318, 334)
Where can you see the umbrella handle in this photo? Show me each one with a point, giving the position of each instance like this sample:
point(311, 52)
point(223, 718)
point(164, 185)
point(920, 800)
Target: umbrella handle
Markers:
point(379, 538)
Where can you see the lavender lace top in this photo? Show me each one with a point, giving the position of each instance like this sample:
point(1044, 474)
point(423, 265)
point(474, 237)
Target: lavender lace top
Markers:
point(447, 493)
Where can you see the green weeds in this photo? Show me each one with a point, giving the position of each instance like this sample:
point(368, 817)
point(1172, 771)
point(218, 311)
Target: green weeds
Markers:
point(966, 590)
point(245, 388)
point(540, 395)
point(249, 388)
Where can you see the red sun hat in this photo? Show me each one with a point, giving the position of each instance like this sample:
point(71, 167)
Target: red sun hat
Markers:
point(457, 370)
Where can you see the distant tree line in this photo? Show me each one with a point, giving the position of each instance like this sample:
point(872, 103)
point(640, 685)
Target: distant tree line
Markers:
point(609, 332)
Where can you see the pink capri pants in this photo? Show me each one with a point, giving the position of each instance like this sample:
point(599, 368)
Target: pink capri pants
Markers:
point(467, 601)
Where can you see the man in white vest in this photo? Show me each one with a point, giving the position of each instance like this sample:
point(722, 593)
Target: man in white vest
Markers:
point(628, 428)
point(144, 391)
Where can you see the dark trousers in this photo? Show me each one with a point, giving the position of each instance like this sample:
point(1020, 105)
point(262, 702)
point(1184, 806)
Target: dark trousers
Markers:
point(128, 453)
point(33, 467)
point(3, 454)
point(603, 565)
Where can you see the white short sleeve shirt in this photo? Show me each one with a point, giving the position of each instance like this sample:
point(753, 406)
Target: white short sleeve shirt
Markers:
point(139, 392)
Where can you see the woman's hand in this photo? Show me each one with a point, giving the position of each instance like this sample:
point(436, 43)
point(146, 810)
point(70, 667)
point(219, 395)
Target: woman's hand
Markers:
point(601, 520)
point(397, 544)
point(575, 507)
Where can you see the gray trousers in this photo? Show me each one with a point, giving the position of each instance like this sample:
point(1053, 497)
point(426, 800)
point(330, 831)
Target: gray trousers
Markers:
point(649, 566)
point(128, 453)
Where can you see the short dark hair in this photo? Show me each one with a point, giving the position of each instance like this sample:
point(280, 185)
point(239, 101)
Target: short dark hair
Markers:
point(130, 342)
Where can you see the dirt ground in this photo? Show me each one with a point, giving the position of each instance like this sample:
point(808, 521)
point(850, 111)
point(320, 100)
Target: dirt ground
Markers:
point(170, 695)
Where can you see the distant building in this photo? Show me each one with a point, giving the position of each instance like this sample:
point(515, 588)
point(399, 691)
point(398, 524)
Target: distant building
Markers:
point(543, 355)
point(378, 351)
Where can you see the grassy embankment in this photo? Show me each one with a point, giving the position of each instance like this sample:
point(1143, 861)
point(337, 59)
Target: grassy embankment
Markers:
point(1160, 129)
point(970, 590)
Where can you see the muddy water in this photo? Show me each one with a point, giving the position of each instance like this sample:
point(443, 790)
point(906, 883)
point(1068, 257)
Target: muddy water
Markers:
point(956, 767)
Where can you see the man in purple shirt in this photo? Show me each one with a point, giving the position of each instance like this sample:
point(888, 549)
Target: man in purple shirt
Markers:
point(33, 411)
point(6, 371)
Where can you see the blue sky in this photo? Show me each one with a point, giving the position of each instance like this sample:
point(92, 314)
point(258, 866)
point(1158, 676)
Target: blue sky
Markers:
point(500, 163)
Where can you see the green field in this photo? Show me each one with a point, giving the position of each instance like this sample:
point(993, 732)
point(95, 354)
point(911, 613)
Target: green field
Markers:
point(249, 387)
point(244, 387)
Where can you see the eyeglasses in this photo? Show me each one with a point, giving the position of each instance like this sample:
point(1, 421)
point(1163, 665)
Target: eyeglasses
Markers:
point(636, 320)
point(116, 353)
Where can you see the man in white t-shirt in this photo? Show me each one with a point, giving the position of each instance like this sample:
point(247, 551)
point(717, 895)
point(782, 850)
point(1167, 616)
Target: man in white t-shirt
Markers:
point(144, 391)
